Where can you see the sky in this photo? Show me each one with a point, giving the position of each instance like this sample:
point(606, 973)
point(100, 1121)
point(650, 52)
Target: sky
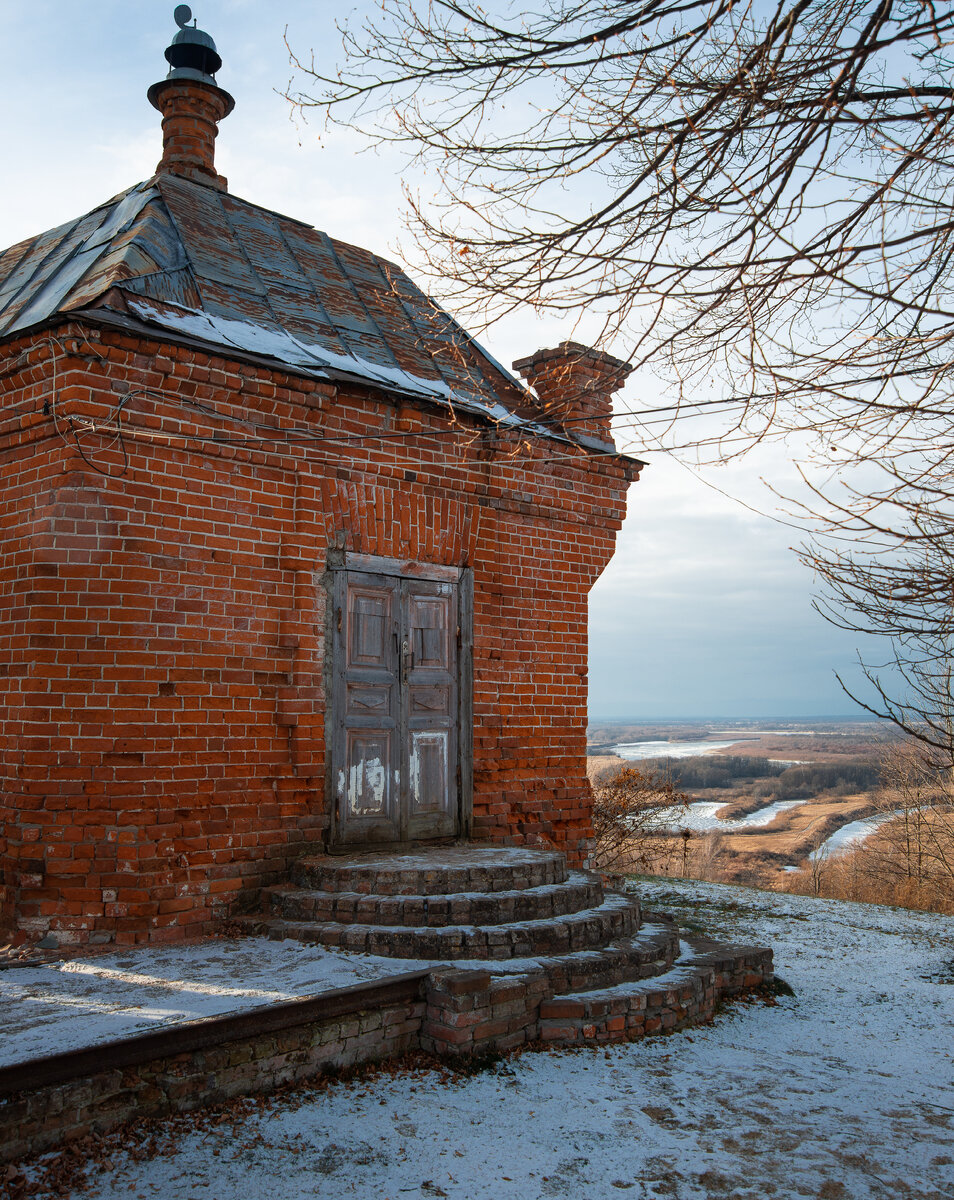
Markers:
point(705, 611)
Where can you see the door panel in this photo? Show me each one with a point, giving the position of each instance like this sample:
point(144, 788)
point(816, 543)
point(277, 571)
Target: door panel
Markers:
point(369, 774)
point(395, 693)
point(429, 700)
point(365, 699)
point(429, 623)
point(369, 613)
point(431, 684)
point(428, 773)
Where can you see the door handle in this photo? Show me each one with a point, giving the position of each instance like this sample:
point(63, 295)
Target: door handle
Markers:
point(405, 660)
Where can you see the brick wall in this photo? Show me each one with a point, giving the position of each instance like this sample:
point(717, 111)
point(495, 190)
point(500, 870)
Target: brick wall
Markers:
point(68, 1096)
point(163, 629)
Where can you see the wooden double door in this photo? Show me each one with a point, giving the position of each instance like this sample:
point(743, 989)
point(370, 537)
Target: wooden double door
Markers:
point(395, 708)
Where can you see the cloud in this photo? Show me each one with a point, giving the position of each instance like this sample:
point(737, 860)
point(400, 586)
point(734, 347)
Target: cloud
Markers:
point(706, 610)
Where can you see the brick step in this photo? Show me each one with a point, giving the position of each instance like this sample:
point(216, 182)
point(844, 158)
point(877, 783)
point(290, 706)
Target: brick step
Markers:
point(591, 928)
point(580, 891)
point(686, 994)
point(450, 870)
point(650, 951)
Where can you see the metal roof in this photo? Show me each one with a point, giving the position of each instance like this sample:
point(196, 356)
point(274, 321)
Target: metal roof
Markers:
point(175, 257)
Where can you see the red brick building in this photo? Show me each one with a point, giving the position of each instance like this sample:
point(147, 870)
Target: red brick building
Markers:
point(287, 559)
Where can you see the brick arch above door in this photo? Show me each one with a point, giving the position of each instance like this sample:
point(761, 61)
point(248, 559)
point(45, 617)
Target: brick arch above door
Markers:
point(398, 517)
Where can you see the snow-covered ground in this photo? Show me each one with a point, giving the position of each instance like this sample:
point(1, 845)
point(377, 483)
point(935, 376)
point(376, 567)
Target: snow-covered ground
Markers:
point(69, 1005)
point(843, 1092)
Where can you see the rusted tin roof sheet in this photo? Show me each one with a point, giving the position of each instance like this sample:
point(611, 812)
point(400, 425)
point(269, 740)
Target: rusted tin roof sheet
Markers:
point(188, 259)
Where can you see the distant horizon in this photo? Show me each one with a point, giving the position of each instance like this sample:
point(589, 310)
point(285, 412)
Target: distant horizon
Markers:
point(854, 719)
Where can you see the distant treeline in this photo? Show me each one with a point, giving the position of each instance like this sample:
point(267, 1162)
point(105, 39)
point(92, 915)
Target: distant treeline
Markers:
point(781, 782)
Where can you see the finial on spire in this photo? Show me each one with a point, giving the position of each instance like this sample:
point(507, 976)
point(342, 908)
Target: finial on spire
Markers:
point(192, 53)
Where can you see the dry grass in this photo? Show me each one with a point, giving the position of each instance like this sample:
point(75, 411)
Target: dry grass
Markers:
point(600, 767)
point(878, 871)
point(816, 748)
point(796, 832)
point(888, 869)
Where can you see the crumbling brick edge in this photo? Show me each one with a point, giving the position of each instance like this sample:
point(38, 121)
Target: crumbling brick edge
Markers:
point(451, 1013)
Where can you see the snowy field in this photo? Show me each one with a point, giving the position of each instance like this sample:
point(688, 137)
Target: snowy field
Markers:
point(844, 1092)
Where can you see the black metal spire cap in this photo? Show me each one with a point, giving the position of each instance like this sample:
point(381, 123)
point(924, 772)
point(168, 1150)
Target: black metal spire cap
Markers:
point(192, 53)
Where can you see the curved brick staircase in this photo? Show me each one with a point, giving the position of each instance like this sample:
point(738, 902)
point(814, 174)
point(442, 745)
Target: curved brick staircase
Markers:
point(523, 949)
point(508, 948)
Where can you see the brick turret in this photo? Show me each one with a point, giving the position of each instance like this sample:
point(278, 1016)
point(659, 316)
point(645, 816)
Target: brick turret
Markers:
point(192, 104)
point(574, 386)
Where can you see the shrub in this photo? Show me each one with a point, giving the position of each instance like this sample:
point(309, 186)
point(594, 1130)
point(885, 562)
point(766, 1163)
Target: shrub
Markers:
point(634, 813)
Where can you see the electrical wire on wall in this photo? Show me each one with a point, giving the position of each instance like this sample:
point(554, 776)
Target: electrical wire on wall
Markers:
point(524, 435)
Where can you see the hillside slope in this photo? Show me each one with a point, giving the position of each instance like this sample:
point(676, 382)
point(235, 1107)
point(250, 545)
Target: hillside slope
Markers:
point(845, 1090)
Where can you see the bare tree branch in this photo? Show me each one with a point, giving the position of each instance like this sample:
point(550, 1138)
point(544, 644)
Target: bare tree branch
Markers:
point(755, 197)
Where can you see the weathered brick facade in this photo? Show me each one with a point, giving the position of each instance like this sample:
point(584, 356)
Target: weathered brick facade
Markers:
point(203, 403)
point(164, 626)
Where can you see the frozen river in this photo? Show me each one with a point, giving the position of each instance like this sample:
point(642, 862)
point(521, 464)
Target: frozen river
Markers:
point(635, 751)
point(701, 816)
point(852, 835)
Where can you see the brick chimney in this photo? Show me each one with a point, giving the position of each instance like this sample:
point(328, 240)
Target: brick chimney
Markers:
point(191, 103)
point(574, 386)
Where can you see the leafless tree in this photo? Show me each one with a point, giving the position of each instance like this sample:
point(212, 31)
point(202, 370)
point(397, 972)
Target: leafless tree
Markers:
point(818, 864)
point(915, 846)
point(754, 196)
point(756, 192)
point(887, 563)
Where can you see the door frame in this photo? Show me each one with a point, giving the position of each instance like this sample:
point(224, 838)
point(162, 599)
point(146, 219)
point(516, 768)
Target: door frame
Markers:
point(338, 561)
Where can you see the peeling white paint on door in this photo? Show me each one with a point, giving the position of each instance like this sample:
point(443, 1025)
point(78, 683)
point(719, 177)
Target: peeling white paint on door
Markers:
point(367, 786)
point(428, 770)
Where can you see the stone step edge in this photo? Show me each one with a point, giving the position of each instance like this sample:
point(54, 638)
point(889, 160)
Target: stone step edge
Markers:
point(687, 994)
point(576, 883)
point(435, 942)
point(648, 952)
point(483, 879)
